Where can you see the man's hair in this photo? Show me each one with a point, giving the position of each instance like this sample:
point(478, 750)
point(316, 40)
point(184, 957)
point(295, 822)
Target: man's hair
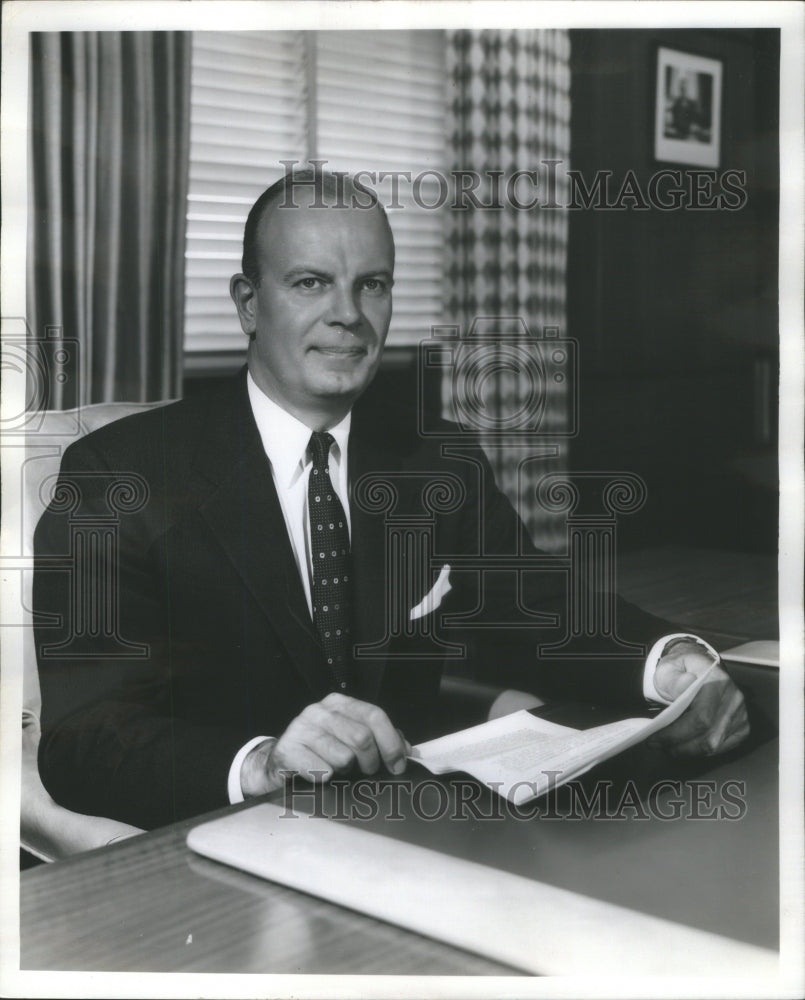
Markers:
point(328, 186)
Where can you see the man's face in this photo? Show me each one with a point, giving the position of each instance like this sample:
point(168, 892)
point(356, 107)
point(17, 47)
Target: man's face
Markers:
point(322, 310)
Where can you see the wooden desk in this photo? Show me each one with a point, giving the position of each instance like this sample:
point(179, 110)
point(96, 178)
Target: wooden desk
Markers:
point(729, 596)
point(149, 904)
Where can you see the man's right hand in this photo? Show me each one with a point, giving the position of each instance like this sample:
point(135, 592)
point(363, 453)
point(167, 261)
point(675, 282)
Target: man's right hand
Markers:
point(331, 736)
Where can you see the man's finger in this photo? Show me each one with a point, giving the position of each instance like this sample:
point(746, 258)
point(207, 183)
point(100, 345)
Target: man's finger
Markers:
point(675, 681)
point(721, 725)
point(715, 735)
point(359, 738)
point(678, 669)
point(697, 718)
point(703, 746)
point(738, 720)
point(331, 749)
point(389, 742)
point(297, 758)
point(330, 716)
point(732, 717)
point(735, 739)
point(358, 732)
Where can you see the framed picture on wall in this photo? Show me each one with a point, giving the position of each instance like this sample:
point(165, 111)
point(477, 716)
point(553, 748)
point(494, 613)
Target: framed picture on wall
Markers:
point(687, 109)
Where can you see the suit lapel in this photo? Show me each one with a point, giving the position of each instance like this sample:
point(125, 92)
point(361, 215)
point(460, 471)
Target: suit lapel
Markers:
point(244, 514)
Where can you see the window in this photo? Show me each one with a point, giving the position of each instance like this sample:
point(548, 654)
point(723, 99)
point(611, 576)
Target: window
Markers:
point(362, 100)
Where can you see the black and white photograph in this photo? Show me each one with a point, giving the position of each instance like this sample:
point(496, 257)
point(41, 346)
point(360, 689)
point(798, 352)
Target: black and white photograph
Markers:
point(402, 490)
point(688, 112)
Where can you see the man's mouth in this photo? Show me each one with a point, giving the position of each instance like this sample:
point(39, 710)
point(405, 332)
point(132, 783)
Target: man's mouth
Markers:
point(341, 352)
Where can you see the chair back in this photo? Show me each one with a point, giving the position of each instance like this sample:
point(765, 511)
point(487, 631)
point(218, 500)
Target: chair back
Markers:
point(47, 830)
point(45, 442)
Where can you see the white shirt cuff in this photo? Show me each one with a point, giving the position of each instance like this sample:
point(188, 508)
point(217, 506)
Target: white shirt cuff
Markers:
point(233, 789)
point(650, 692)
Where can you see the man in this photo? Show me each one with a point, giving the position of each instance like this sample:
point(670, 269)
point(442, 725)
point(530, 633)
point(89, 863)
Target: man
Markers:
point(683, 113)
point(246, 669)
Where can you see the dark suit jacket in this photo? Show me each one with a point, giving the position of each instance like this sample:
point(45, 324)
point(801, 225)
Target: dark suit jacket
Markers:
point(205, 587)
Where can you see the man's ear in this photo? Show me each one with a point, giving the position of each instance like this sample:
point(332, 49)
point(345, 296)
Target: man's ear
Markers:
point(243, 295)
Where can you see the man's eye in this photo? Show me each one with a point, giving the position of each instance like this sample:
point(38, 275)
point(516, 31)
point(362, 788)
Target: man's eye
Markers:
point(374, 285)
point(309, 283)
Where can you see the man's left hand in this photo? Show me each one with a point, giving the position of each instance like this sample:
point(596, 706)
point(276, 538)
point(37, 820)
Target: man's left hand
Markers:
point(716, 720)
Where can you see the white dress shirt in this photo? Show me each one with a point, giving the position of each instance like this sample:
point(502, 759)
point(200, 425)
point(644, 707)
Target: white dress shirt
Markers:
point(285, 440)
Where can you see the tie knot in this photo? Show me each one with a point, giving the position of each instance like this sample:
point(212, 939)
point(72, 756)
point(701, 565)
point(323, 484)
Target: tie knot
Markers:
point(319, 448)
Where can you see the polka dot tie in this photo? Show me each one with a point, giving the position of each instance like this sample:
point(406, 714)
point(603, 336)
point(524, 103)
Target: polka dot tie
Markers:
point(329, 545)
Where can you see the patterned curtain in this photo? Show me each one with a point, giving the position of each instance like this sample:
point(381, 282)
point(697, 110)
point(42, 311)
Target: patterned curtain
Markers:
point(108, 155)
point(509, 111)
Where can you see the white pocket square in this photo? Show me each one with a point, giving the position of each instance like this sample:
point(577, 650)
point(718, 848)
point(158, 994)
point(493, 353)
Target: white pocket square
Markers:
point(431, 601)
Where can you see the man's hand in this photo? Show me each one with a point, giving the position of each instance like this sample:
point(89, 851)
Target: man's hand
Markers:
point(716, 720)
point(331, 736)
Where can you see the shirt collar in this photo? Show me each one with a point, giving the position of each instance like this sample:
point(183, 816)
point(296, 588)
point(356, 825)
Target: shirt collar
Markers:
point(285, 439)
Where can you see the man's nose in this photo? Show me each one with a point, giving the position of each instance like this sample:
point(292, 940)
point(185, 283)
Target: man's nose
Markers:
point(344, 309)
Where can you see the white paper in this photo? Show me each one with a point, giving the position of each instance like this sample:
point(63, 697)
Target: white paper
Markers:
point(521, 756)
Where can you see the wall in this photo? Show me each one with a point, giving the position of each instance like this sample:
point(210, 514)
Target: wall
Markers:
point(676, 312)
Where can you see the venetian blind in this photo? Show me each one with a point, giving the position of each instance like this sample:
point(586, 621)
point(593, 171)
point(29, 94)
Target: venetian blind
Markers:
point(247, 111)
point(381, 107)
point(360, 100)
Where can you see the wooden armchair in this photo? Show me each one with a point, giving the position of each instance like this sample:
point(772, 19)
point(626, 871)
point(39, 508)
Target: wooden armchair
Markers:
point(47, 830)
